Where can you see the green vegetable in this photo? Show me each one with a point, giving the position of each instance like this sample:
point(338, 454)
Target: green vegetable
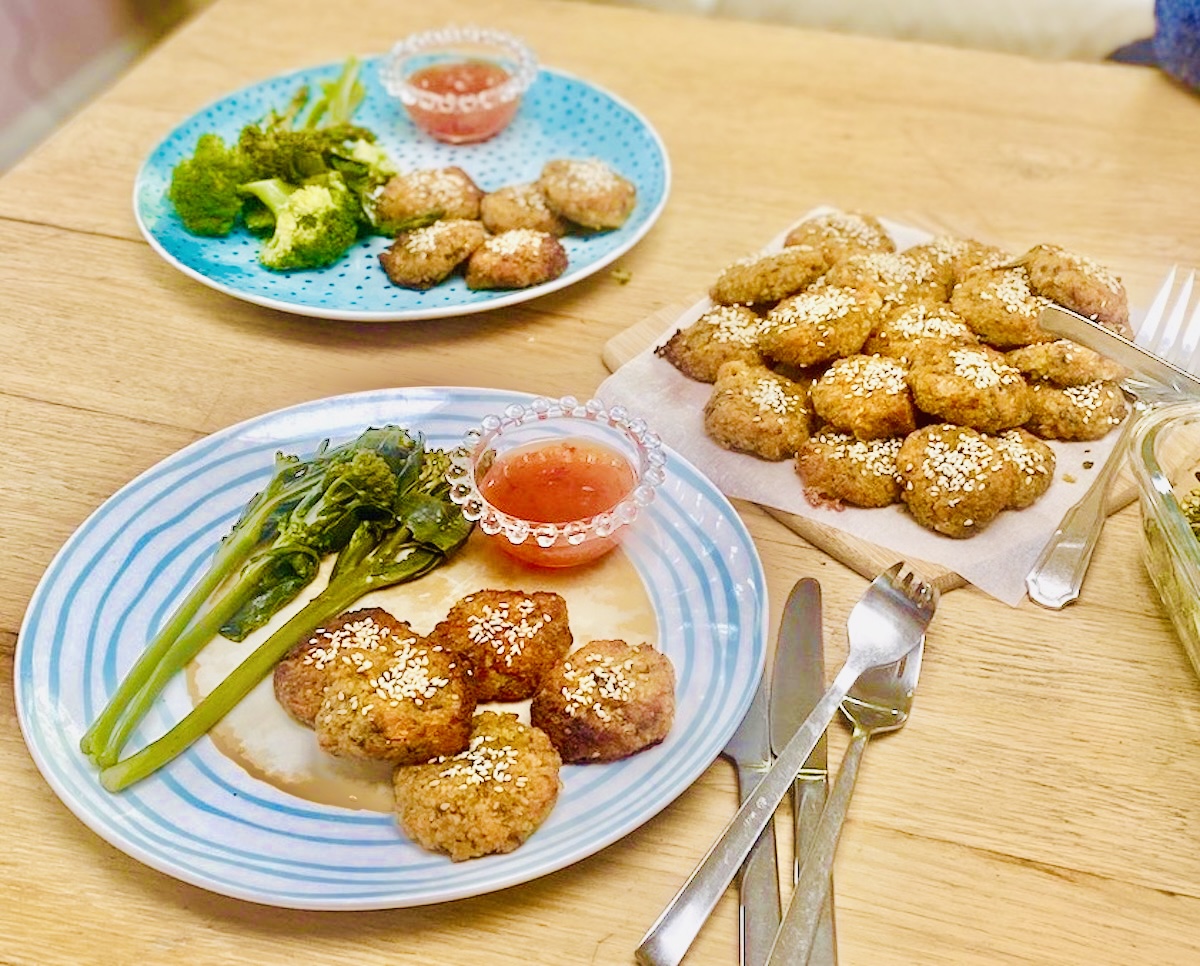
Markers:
point(205, 188)
point(315, 224)
point(299, 148)
point(308, 510)
point(428, 530)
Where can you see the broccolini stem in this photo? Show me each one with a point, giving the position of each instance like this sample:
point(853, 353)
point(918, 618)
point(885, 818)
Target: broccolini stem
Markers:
point(338, 596)
point(234, 548)
point(186, 646)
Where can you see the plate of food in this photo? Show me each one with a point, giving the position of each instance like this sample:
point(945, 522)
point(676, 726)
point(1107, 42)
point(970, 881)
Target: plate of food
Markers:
point(257, 808)
point(562, 119)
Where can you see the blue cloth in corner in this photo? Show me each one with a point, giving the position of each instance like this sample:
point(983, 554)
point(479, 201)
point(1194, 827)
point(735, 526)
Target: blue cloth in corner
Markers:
point(1177, 39)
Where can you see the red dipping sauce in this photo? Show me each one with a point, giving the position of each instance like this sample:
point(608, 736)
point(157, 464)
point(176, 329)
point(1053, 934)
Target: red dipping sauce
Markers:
point(475, 118)
point(558, 481)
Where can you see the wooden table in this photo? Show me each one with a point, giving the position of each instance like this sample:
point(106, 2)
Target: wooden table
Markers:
point(1041, 806)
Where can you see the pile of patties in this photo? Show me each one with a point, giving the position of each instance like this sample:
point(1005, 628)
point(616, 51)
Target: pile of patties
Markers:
point(472, 782)
point(919, 377)
point(505, 239)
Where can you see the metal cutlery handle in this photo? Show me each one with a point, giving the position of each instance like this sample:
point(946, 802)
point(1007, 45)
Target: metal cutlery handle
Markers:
point(673, 932)
point(1057, 577)
point(809, 799)
point(799, 933)
point(758, 887)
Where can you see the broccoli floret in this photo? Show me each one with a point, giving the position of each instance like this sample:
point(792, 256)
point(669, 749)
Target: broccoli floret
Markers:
point(315, 223)
point(205, 187)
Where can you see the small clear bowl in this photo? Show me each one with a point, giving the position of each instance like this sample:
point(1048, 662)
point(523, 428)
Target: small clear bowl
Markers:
point(464, 116)
point(1164, 454)
point(566, 543)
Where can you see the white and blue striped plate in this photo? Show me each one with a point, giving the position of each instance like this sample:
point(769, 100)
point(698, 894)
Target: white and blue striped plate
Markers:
point(560, 116)
point(206, 821)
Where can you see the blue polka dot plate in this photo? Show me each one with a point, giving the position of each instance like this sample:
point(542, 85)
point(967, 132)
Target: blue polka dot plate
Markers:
point(560, 116)
point(209, 820)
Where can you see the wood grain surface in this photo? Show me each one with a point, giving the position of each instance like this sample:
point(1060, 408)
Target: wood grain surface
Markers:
point(1039, 808)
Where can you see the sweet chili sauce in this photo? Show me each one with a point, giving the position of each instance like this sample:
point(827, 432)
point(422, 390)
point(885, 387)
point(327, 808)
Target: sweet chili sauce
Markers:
point(461, 78)
point(558, 481)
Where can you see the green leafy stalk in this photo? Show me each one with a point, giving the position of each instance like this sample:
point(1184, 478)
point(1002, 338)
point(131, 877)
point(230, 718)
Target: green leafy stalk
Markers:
point(308, 509)
point(430, 531)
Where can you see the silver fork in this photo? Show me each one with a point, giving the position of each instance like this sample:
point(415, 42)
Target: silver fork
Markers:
point(1057, 577)
point(879, 702)
point(886, 623)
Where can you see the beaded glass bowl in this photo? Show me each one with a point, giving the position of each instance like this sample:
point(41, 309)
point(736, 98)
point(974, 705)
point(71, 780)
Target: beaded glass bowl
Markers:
point(460, 84)
point(1170, 437)
point(563, 428)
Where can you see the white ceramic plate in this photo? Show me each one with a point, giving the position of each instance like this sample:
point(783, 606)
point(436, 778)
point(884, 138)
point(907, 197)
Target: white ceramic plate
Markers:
point(206, 821)
point(560, 116)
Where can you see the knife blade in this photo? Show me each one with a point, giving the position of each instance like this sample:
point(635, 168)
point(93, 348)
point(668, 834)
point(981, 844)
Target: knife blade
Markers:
point(797, 683)
point(758, 884)
point(1063, 322)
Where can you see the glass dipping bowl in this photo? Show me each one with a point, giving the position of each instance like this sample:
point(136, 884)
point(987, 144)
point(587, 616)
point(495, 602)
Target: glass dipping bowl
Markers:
point(1164, 455)
point(556, 543)
point(460, 115)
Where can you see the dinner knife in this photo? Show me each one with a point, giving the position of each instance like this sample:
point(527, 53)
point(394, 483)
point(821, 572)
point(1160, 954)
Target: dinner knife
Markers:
point(758, 883)
point(1071, 325)
point(797, 683)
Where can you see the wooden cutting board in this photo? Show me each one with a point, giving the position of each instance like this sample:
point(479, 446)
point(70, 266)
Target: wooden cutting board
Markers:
point(860, 555)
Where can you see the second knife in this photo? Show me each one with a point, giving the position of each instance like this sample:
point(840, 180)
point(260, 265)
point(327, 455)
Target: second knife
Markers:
point(797, 683)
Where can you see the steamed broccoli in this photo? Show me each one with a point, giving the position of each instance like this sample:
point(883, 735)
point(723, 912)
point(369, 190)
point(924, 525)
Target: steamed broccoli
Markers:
point(308, 161)
point(315, 223)
point(205, 187)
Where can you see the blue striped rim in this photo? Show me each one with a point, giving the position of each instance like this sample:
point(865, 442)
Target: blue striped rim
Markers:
point(205, 821)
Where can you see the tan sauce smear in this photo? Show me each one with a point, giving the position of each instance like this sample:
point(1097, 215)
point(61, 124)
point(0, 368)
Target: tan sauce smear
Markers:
point(605, 600)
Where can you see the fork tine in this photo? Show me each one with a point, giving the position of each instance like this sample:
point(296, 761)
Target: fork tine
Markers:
point(1193, 325)
point(1174, 327)
point(1156, 314)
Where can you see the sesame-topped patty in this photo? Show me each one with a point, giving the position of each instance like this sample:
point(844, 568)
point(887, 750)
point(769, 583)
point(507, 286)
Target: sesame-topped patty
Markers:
point(1064, 363)
point(867, 396)
point(952, 258)
point(1000, 307)
point(301, 677)
point(840, 234)
point(754, 410)
point(1075, 412)
point(488, 798)
point(518, 258)
point(1080, 284)
point(914, 330)
point(401, 706)
point(424, 257)
point(972, 386)
point(839, 469)
point(819, 325)
point(1033, 461)
point(606, 701)
point(511, 639)
point(758, 279)
point(588, 192)
point(953, 479)
point(720, 335)
point(899, 280)
point(429, 193)
point(519, 206)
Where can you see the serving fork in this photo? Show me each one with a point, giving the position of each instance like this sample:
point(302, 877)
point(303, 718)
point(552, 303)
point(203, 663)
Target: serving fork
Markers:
point(880, 701)
point(1057, 577)
point(887, 622)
